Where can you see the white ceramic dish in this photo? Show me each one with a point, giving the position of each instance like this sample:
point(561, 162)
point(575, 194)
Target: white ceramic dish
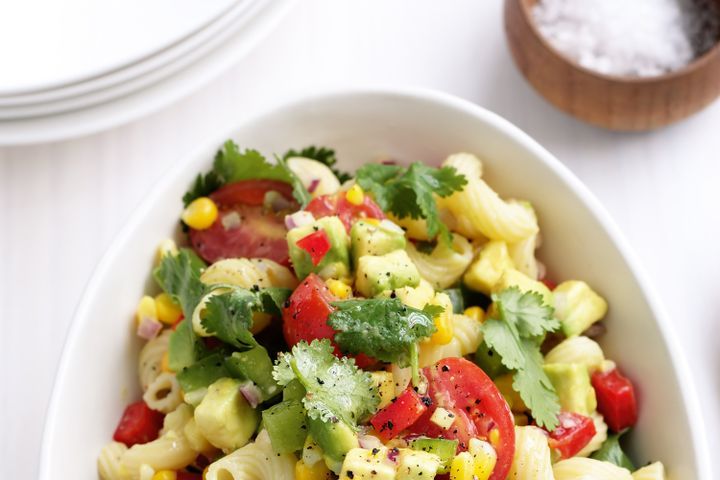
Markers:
point(252, 28)
point(97, 374)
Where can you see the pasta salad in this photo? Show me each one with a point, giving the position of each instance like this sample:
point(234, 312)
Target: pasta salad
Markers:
point(393, 323)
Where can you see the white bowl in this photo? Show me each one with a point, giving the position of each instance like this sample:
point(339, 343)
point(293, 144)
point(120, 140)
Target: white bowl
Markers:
point(97, 375)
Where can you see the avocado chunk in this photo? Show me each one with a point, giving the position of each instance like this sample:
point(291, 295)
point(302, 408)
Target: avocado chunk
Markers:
point(362, 464)
point(514, 278)
point(416, 465)
point(255, 365)
point(224, 417)
point(335, 438)
point(485, 272)
point(335, 263)
point(286, 426)
point(368, 238)
point(577, 306)
point(294, 391)
point(376, 273)
point(573, 387)
point(440, 447)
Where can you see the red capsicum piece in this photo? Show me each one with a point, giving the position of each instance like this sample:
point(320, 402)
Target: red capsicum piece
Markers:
point(616, 399)
point(139, 424)
point(573, 432)
point(317, 244)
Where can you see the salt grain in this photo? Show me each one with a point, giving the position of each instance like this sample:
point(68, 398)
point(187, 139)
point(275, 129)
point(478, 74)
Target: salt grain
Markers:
point(640, 38)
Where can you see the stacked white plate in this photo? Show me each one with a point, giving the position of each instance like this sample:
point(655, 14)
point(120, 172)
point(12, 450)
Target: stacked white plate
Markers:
point(79, 66)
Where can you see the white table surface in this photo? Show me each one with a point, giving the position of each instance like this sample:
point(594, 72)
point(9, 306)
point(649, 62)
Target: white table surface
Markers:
point(61, 204)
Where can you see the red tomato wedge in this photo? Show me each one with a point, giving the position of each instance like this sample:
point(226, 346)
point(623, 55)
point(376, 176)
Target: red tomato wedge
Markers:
point(573, 432)
point(250, 228)
point(461, 387)
point(139, 424)
point(317, 244)
point(337, 204)
point(615, 399)
point(404, 410)
point(306, 312)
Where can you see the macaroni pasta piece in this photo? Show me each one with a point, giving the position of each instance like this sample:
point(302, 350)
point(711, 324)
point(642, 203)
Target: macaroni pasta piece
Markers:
point(249, 272)
point(254, 461)
point(163, 394)
point(532, 459)
point(480, 212)
point(110, 462)
point(577, 350)
point(150, 359)
point(445, 265)
point(466, 339)
point(523, 252)
point(654, 471)
point(587, 468)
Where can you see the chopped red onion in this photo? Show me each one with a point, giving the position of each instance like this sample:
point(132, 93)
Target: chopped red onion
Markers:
point(251, 393)
point(148, 328)
point(368, 442)
point(393, 454)
point(298, 219)
point(231, 220)
point(313, 185)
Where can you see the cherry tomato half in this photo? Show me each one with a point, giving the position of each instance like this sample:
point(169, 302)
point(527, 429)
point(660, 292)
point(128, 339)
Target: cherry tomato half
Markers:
point(461, 387)
point(404, 410)
point(253, 230)
point(338, 204)
point(306, 313)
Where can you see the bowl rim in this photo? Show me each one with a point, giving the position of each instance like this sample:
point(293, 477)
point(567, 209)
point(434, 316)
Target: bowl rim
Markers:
point(417, 94)
point(696, 64)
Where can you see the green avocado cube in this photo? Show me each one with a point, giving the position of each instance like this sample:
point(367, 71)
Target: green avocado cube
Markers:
point(573, 387)
point(367, 238)
point(377, 273)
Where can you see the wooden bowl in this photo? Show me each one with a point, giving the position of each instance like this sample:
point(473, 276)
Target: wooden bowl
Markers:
point(617, 103)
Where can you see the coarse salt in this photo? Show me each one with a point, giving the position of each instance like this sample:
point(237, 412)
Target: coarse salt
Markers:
point(636, 38)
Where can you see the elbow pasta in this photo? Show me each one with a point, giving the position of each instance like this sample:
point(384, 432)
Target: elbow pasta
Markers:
point(249, 272)
point(163, 394)
point(580, 349)
point(596, 442)
point(150, 359)
point(109, 462)
point(587, 468)
point(446, 264)
point(480, 212)
point(171, 451)
point(466, 339)
point(654, 471)
point(532, 459)
point(523, 252)
point(311, 171)
point(254, 461)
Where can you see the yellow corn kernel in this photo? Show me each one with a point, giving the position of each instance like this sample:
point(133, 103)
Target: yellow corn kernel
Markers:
point(338, 288)
point(476, 313)
point(372, 221)
point(504, 384)
point(165, 475)
point(462, 467)
point(443, 322)
point(166, 247)
point(168, 312)
point(318, 471)
point(146, 309)
point(494, 436)
point(484, 457)
point(200, 214)
point(355, 195)
point(260, 320)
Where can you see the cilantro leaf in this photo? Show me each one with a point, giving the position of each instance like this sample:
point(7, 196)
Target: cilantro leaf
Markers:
point(179, 276)
point(184, 348)
point(322, 155)
point(408, 192)
point(383, 328)
point(336, 389)
point(232, 165)
point(611, 451)
point(515, 330)
point(204, 185)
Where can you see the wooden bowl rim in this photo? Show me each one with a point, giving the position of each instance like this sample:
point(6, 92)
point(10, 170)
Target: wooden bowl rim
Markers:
point(697, 64)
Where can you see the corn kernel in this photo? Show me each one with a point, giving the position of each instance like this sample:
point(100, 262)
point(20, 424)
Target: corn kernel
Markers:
point(168, 312)
point(338, 288)
point(494, 436)
point(372, 221)
point(165, 475)
point(443, 322)
point(146, 309)
point(260, 320)
point(462, 467)
point(484, 457)
point(476, 313)
point(166, 247)
point(200, 214)
point(318, 471)
point(355, 195)
point(165, 362)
